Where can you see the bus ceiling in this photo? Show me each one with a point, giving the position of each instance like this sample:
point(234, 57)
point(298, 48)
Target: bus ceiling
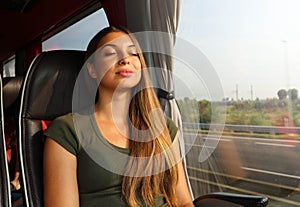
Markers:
point(26, 22)
point(23, 28)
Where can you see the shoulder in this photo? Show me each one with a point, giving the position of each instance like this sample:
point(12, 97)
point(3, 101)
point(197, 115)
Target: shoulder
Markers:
point(62, 123)
point(63, 132)
point(171, 127)
point(63, 120)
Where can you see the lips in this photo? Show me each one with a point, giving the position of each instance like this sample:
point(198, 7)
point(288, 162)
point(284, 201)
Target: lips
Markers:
point(125, 73)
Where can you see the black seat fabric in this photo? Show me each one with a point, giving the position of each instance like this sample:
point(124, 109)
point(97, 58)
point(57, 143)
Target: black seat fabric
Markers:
point(11, 95)
point(11, 90)
point(47, 93)
point(5, 197)
point(11, 105)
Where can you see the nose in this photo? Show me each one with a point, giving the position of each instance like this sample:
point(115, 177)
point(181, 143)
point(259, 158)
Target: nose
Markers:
point(124, 60)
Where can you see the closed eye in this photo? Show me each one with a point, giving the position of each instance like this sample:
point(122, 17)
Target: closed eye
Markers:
point(132, 50)
point(133, 54)
point(109, 54)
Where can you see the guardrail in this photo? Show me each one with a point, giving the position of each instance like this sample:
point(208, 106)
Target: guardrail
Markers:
point(243, 128)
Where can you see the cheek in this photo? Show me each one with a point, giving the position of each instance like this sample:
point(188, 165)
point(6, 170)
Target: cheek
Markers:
point(103, 63)
point(102, 67)
point(139, 76)
point(137, 65)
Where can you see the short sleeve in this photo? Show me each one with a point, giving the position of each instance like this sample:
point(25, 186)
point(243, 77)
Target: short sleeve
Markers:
point(62, 131)
point(172, 128)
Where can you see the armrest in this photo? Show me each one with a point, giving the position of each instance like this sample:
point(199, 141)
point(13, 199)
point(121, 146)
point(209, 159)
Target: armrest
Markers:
point(221, 199)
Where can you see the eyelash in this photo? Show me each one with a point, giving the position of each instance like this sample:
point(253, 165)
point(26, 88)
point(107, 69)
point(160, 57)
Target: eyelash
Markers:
point(109, 53)
point(130, 53)
point(134, 54)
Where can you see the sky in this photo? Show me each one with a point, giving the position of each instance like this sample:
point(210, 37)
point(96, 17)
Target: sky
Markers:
point(252, 47)
point(78, 35)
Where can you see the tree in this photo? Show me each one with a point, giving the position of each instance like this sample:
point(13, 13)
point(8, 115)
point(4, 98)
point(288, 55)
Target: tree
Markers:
point(293, 94)
point(205, 111)
point(282, 94)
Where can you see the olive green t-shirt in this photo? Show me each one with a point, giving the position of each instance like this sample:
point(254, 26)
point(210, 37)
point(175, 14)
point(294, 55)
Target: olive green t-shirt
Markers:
point(100, 165)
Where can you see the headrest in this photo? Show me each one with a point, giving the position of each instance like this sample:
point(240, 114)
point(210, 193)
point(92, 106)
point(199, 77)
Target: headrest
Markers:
point(49, 84)
point(11, 94)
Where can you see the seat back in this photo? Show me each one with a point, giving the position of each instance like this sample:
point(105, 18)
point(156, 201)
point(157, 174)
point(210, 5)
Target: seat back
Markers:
point(11, 106)
point(11, 95)
point(11, 90)
point(5, 197)
point(47, 93)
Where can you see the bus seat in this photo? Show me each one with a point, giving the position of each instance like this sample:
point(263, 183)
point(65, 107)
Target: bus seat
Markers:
point(11, 104)
point(5, 197)
point(47, 93)
point(11, 95)
point(11, 87)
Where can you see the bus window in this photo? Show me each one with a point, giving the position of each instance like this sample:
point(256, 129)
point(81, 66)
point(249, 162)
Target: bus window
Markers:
point(77, 36)
point(250, 49)
point(9, 67)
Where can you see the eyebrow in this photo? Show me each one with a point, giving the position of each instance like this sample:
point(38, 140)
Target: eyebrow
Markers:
point(131, 46)
point(113, 45)
point(108, 45)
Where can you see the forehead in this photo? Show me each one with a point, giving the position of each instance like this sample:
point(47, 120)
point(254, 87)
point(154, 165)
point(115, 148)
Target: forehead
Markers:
point(116, 38)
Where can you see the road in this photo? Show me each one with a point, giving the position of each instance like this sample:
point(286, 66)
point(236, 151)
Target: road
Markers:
point(249, 165)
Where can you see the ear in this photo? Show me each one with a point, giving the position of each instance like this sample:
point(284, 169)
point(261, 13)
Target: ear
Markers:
point(91, 70)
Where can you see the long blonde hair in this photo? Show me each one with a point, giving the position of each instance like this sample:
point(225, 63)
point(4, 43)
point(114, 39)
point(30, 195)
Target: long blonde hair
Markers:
point(161, 175)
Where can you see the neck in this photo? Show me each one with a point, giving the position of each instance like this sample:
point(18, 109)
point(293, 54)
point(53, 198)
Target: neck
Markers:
point(113, 106)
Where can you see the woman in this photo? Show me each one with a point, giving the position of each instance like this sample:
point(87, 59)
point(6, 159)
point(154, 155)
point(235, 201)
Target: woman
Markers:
point(127, 120)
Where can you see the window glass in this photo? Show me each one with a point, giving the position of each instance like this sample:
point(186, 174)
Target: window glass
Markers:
point(78, 35)
point(246, 68)
point(9, 67)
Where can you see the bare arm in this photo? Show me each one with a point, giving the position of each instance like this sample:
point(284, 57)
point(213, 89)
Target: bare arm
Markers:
point(182, 191)
point(60, 177)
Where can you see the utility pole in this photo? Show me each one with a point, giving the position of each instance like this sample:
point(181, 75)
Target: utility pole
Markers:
point(251, 91)
point(237, 92)
point(286, 64)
